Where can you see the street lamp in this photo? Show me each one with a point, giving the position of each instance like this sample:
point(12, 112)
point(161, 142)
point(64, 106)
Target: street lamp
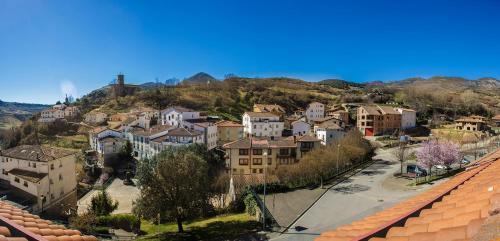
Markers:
point(264, 198)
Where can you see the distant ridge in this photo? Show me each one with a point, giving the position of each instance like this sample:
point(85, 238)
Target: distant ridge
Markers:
point(340, 84)
point(199, 78)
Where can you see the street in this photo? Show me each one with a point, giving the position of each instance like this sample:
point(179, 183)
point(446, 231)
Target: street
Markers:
point(365, 193)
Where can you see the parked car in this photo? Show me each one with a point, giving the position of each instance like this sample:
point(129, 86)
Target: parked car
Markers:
point(416, 169)
point(442, 167)
point(465, 162)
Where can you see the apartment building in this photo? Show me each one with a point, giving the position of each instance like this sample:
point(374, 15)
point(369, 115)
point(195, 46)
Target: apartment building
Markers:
point(373, 120)
point(315, 111)
point(228, 131)
point(205, 125)
point(175, 116)
point(251, 155)
point(44, 176)
point(272, 108)
point(262, 124)
point(408, 118)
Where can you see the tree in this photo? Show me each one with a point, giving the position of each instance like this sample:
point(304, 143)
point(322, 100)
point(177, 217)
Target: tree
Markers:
point(401, 153)
point(102, 204)
point(173, 185)
point(428, 155)
point(449, 153)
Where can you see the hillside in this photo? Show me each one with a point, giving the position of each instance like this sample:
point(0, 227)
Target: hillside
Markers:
point(13, 113)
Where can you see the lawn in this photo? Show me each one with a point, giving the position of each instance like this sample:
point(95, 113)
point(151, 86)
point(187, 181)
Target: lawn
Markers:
point(219, 227)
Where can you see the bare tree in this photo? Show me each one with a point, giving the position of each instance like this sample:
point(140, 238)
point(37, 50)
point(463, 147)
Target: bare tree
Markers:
point(401, 153)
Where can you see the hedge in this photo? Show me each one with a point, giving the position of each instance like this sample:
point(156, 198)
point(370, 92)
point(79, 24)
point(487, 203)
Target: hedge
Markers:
point(127, 222)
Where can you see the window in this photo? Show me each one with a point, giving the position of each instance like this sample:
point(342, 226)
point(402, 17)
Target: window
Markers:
point(16, 179)
point(51, 166)
point(257, 161)
point(269, 161)
point(60, 177)
point(25, 183)
point(243, 152)
point(269, 151)
point(243, 161)
point(254, 170)
point(34, 164)
point(257, 151)
point(284, 152)
point(260, 170)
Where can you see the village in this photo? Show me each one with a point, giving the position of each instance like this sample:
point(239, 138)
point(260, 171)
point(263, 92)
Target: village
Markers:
point(255, 151)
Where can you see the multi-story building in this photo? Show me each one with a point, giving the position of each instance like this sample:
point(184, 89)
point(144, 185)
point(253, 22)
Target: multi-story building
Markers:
point(95, 117)
point(106, 142)
point(471, 123)
point(44, 176)
point(315, 111)
point(59, 111)
point(228, 131)
point(251, 155)
point(274, 108)
point(408, 118)
point(175, 116)
point(373, 120)
point(262, 124)
point(207, 126)
point(328, 122)
point(179, 136)
point(140, 139)
point(496, 120)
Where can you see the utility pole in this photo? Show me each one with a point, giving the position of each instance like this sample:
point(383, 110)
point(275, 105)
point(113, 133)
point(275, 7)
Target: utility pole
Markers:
point(338, 157)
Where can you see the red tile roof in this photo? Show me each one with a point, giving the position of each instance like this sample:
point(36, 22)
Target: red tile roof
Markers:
point(20, 225)
point(454, 210)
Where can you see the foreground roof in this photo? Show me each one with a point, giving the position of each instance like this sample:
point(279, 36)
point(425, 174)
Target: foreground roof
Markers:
point(20, 225)
point(36, 153)
point(458, 209)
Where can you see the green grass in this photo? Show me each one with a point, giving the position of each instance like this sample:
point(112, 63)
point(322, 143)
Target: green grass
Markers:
point(219, 227)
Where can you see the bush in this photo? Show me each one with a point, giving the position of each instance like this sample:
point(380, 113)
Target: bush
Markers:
point(127, 222)
point(271, 188)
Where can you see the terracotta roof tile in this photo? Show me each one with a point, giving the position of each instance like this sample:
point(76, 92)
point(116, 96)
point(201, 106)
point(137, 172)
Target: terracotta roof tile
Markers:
point(458, 209)
point(36, 153)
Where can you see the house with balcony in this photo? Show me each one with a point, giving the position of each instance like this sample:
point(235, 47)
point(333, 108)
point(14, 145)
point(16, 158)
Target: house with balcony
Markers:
point(179, 136)
point(175, 116)
point(228, 131)
point(471, 123)
point(249, 156)
point(314, 111)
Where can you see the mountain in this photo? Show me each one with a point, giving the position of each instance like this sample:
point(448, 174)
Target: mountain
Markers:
point(14, 113)
point(199, 78)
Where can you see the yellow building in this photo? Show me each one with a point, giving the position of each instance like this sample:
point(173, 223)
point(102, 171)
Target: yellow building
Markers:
point(248, 156)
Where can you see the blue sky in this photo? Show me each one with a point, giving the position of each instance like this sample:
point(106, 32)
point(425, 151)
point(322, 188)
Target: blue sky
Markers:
point(51, 47)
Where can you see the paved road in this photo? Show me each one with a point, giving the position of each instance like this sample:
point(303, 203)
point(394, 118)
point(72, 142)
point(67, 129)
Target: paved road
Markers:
point(124, 194)
point(361, 195)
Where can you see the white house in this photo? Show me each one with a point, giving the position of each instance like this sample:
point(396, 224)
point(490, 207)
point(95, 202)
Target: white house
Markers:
point(315, 111)
point(262, 124)
point(106, 142)
point(207, 127)
point(175, 116)
point(300, 128)
point(140, 139)
point(408, 118)
point(45, 176)
point(330, 134)
point(175, 137)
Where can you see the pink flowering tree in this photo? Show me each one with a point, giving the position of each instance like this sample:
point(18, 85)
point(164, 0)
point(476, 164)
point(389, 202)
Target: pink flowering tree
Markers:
point(428, 155)
point(435, 153)
point(449, 153)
